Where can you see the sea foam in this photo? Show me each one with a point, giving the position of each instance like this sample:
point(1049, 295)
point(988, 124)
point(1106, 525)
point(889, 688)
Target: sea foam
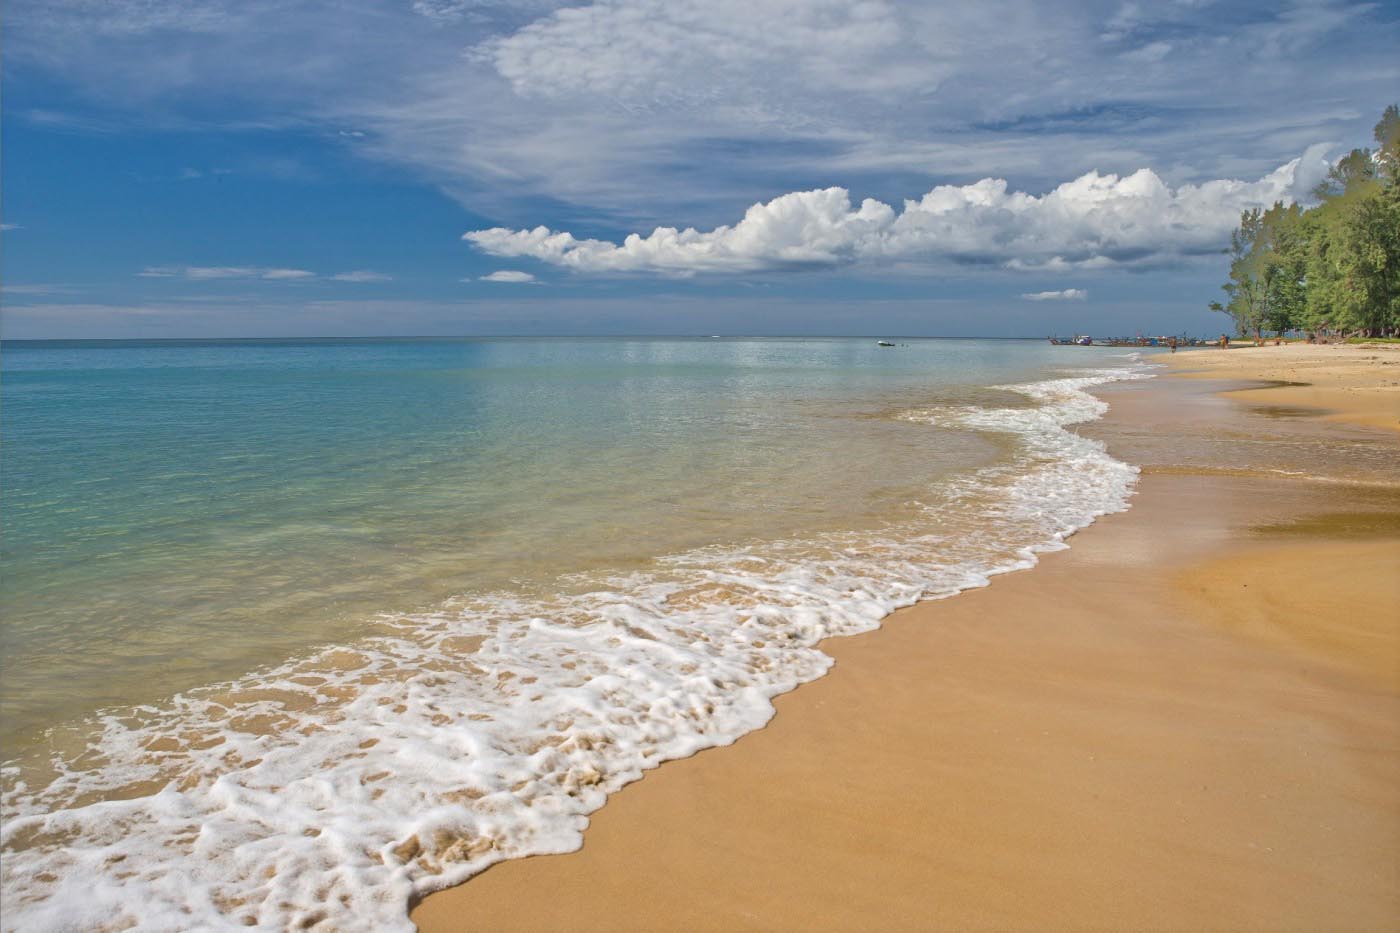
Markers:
point(335, 788)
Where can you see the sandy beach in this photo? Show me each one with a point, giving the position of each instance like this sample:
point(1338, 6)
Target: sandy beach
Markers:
point(623, 466)
point(1188, 720)
point(1359, 384)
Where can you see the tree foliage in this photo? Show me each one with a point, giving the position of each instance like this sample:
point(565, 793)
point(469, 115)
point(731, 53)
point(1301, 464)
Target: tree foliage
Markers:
point(1334, 267)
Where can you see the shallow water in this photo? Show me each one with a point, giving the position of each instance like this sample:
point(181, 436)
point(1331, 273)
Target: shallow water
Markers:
point(374, 615)
point(180, 514)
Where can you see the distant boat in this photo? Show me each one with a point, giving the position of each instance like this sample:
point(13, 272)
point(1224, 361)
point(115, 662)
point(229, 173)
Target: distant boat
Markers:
point(883, 343)
point(1080, 341)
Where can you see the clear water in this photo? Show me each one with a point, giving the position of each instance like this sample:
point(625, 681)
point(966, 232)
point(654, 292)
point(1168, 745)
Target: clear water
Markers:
point(178, 513)
point(309, 569)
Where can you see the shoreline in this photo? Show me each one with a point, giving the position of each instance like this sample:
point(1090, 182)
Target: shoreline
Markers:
point(549, 705)
point(1185, 763)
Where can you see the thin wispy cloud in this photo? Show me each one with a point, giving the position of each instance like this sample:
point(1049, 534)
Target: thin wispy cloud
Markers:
point(212, 273)
point(1064, 294)
point(362, 276)
point(37, 289)
point(207, 273)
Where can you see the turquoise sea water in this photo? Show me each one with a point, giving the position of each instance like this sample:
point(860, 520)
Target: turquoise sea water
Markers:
point(179, 512)
point(498, 576)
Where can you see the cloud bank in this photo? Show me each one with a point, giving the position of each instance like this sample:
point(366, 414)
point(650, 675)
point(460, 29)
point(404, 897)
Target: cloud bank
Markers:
point(652, 111)
point(1093, 222)
point(1064, 294)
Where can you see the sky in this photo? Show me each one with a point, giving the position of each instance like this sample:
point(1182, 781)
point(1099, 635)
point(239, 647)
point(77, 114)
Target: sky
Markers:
point(244, 168)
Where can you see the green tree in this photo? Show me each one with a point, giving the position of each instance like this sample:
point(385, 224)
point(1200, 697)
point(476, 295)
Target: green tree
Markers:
point(1321, 273)
point(1245, 290)
point(1281, 256)
point(1334, 266)
point(1268, 268)
point(1353, 171)
point(1387, 135)
point(1368, 293)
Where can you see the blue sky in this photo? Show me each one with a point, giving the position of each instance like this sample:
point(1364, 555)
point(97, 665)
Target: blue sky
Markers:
point(260, 168)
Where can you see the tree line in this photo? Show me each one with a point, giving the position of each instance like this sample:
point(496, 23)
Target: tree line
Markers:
point(1332, 269)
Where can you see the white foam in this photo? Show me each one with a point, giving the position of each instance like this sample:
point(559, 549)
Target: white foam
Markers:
point(334, 788)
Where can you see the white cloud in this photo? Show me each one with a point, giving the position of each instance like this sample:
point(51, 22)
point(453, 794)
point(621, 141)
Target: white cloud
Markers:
point(648, 52)
point(1064, 294)
point(1095, 221)
point(205, 273)
point(509, 275)
point(362, 275)
point(6, 228)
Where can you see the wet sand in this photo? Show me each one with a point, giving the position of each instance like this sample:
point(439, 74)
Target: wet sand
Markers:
point(1356, 384)
point(1191, 719)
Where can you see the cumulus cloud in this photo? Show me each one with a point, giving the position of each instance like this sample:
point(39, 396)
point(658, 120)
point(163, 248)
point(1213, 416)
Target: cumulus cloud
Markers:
point(1095, 221)
point(1064, 294)
point(510, 275)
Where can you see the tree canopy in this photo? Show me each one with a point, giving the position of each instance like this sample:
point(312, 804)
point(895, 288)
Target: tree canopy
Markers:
point(1330, 268)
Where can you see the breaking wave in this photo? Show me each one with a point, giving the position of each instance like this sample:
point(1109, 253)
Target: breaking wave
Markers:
point(335, 788)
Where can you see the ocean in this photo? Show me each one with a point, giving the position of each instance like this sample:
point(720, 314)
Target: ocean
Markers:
point(296, 630)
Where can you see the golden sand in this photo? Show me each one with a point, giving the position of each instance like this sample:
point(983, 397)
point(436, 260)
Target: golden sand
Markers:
point(1358, 384)
point(1190, 720)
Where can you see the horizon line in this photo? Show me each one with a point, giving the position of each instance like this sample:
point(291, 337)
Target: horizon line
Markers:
point(507, 336)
